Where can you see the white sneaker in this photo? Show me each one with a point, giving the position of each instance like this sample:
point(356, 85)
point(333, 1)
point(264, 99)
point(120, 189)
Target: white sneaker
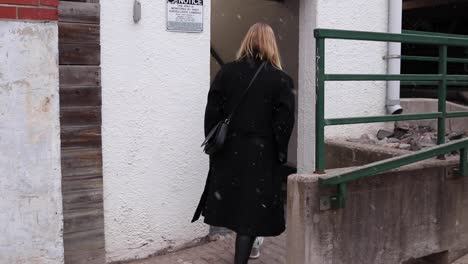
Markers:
point(255, 254)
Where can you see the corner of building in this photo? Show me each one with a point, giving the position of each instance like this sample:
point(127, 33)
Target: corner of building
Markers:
point(31, 199)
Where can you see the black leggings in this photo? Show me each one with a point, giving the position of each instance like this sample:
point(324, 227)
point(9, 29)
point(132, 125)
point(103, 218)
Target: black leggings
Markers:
point(244, 245)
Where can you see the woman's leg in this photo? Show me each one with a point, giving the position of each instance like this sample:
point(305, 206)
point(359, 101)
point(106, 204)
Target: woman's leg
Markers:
point(244, 245)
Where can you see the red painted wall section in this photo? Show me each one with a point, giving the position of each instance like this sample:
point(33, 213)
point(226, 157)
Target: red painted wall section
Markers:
point(29, 9)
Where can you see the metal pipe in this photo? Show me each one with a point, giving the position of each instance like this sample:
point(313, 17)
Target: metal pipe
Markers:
point(442, 95)
point(395, 8)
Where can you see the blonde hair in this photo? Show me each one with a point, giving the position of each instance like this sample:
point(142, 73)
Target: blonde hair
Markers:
point(260, 41)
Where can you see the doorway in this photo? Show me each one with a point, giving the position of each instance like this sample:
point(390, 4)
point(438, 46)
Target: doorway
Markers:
point(230, 20)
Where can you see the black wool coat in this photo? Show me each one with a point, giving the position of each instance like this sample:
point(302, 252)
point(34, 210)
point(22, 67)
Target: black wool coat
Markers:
point(243, 189)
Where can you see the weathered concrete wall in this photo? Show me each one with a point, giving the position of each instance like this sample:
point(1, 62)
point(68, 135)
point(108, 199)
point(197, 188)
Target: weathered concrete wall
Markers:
point(343, 99)
point(154, 89)
point(390, 218)
point(30, 178)
point(342, 154)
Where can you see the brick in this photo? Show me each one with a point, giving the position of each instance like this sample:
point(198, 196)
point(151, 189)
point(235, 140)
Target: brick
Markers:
point(37, 13)
point(49, 2)
point(8, 12)
point(20, 2)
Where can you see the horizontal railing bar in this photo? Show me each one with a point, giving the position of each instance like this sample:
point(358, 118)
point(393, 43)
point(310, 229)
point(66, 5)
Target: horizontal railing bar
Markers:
point(456, 114)
point(434, 59)
point(419, 58)
point(377, 119)
point(393, 77)
point(392, 163)
point(451, 77)
point(390, 37)
point(383, 77)
point(432, 83)
point(457, 60)
point(427, 33)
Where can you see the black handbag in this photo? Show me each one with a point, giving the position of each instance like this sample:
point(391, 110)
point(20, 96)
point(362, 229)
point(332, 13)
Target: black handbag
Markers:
point(215, 139)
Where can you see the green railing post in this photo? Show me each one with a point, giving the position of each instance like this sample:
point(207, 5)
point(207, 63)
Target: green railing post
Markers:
point(442, 95)
point(320, 107)
point(463, 171)
point(342, 195)
point(339, 200)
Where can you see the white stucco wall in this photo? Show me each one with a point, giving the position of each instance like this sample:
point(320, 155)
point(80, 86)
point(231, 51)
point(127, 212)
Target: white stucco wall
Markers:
point(343, 99)
point(154, 86)
point(30, 178)
point(306, 96)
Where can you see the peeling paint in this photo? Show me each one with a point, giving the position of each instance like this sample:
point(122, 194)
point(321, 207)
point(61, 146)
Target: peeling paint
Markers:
point(24, 83)
point(30, 182)
point(45, 104)
point(27, 31)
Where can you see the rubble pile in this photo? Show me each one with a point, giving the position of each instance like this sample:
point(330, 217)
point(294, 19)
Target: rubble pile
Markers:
point(407, 137)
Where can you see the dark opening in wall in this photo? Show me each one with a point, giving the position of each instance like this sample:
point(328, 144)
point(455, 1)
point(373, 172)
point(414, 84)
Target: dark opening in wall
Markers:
point(435, 16)
point(230, 21)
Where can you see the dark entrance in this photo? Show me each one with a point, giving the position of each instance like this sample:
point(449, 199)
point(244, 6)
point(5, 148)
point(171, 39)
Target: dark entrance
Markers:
point(435, 16)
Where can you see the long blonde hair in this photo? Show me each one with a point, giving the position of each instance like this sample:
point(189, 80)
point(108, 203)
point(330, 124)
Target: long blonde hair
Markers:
point(260, 41)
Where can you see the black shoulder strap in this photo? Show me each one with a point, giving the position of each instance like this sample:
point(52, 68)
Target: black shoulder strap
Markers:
point(244, 94)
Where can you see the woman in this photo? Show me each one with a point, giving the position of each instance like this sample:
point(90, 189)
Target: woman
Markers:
point(243, 189)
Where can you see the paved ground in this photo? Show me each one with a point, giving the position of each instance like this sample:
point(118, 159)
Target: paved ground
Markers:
point(462, 261)
point(221, 252)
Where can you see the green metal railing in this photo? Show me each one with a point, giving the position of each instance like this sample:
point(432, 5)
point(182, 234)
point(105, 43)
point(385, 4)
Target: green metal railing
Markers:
point(341, 178)
point(435, 59)
point(442, 78)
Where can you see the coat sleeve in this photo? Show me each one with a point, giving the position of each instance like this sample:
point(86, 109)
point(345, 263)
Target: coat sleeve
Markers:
point(283, 117)
point(214, 111)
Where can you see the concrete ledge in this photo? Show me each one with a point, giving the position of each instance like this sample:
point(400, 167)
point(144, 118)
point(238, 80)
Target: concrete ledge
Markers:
point(341, 153)
point(409, 213)
point(421, 105)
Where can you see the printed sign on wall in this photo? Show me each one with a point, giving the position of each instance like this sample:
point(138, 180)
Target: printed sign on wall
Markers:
point(185, 15)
